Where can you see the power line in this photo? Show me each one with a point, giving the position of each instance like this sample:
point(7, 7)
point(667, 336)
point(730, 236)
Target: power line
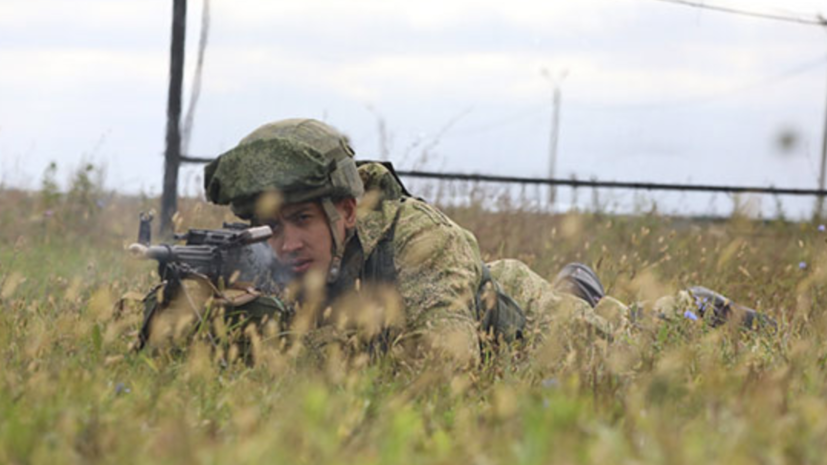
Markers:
point(792, 72)
point(500, 122)
point(820, 21)
point(535, 110)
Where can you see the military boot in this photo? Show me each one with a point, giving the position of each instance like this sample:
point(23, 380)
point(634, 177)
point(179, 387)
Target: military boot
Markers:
point(723, 309)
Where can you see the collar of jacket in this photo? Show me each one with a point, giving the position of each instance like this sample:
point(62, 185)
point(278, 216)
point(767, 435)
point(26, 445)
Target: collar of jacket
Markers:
point(374, 224)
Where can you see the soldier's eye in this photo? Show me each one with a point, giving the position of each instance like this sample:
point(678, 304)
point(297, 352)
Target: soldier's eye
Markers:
point(301, 218)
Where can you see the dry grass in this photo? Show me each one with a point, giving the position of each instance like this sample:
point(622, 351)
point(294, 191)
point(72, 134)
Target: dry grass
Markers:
point(71, 392)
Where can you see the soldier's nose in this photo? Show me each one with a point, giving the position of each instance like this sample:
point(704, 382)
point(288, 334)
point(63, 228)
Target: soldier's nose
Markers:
point(291, 242)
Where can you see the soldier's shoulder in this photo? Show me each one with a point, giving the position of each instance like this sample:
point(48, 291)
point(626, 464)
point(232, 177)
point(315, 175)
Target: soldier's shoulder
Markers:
point(416, 214)
point(400, 220)
point(428, 228)
point(380, 181)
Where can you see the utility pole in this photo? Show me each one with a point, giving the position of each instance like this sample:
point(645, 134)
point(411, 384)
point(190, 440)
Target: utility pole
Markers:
point(821, 175)
point(172, 154)
point(554, 133)
point(823, 170)
point(552, 143)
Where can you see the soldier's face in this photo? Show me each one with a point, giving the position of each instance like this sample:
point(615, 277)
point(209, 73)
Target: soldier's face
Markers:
point(301, 236)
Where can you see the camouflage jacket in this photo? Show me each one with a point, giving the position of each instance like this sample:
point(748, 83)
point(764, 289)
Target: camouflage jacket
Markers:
point(431, 264)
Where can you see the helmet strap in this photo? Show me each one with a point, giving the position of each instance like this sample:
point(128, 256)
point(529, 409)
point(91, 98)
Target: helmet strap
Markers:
point(334, 217)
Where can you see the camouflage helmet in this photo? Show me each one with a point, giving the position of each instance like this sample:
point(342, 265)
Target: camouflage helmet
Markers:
point(302, 159)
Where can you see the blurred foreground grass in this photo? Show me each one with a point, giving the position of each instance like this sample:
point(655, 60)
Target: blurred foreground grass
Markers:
point(71, 392)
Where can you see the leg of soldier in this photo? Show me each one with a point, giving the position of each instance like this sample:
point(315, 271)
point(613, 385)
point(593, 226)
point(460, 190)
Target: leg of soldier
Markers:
point(581, 281)
point(712, 307)
point(544, 305)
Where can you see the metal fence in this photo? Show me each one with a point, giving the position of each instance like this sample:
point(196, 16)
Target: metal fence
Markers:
point(593, 183)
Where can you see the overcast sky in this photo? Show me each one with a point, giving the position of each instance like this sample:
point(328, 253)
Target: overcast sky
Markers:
point(652, 91)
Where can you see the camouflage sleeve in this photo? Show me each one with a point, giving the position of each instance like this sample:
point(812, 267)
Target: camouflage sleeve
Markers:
point(438, 271)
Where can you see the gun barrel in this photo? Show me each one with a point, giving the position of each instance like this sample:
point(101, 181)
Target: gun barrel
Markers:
point(155, 252)
point(137, 250)
point(257, 234)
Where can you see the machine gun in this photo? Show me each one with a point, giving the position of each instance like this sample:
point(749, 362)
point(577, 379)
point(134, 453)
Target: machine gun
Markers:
point(236, 253)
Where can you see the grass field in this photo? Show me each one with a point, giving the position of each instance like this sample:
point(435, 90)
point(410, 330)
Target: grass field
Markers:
point(72, 392)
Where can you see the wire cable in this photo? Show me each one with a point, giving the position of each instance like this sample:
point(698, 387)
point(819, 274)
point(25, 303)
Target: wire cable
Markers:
point(819, 21)
point(791, 72)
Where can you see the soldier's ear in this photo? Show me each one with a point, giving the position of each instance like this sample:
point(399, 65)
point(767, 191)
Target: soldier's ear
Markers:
point(347, 208)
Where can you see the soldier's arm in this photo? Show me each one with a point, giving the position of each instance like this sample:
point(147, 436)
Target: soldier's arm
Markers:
point(438, 271)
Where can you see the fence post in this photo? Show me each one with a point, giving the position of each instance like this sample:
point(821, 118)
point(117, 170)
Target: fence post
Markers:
point(172, 154)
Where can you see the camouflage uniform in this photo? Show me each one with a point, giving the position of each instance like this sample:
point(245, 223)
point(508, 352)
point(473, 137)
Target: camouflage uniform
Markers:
point(406, 278)
point(546, 304)
point(446, 294)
